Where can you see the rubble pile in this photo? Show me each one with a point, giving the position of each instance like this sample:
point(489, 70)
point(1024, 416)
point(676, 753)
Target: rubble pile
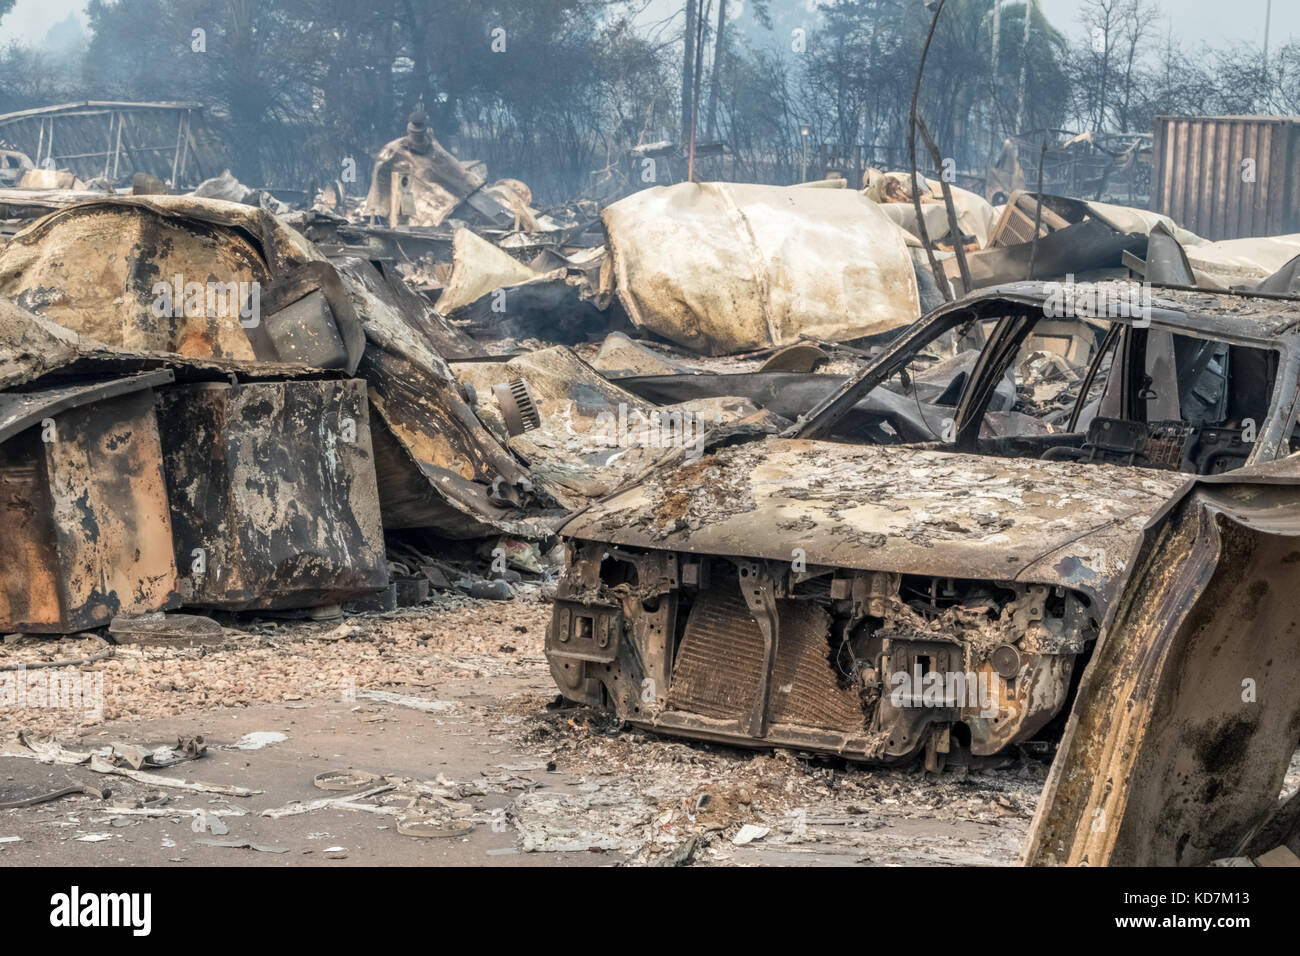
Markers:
point(768, 454)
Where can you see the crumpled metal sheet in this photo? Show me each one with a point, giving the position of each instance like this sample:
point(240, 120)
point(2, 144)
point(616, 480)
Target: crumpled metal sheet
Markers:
point(437, 181)
point(479, 268)
point(35, 352)
point(975, 217)
point(593, 435)
point(306, 318)
point(91, 267)
point(30, 346)
point(497, 296)
point(382, 299)
point(1189, 710)
point(67, 265)
point(21, 410)
point(438, 466)
point(1230, 262)
point(726, 267)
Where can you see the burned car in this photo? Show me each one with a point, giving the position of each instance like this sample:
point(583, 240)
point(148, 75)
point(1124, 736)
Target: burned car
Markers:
point(825, 590)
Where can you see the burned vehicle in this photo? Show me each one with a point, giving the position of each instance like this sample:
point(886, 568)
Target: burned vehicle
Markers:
point(824, 589)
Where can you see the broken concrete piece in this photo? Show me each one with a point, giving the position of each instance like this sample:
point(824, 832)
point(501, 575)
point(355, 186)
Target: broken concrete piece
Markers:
point(749, 833)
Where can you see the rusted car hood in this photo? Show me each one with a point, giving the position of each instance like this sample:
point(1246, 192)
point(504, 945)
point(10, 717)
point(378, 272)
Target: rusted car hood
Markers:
point(891, 509)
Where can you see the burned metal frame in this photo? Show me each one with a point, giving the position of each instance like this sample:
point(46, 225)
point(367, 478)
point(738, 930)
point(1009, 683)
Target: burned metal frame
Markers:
point(682, 577)
point(1166, 760)
point(618, 646)
point(82, 125)
point(1202, 315)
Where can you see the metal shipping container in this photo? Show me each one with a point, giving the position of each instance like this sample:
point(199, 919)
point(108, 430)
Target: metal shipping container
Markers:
point(1225, 177)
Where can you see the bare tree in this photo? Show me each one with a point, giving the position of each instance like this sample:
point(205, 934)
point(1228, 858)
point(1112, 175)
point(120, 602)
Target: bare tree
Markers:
point(1138, 19)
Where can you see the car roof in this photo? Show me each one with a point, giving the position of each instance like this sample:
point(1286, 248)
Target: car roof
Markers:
point(1229, 316)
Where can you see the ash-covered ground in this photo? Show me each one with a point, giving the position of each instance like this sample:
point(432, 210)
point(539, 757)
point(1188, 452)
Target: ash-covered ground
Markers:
point(444, 720)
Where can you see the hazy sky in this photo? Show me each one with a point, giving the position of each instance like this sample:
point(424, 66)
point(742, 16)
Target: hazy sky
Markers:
point(1212, 21)
point(29, 20)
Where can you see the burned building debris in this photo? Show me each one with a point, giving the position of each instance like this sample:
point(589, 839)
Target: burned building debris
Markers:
point(416, 182)
point(723, 268)
point(892, 476)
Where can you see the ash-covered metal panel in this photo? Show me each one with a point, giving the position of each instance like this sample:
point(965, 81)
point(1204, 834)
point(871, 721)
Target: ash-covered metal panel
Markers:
point(84, 527)
point(274, 501)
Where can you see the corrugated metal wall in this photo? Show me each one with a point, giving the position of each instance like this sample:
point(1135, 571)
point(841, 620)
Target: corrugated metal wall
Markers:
point(1200, 180)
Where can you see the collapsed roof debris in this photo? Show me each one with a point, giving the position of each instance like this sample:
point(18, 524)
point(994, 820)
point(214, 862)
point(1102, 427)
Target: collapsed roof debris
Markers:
point(975, 217)
point(591, 435)
point(730, 267)
point(416, 182)
point(494, 295)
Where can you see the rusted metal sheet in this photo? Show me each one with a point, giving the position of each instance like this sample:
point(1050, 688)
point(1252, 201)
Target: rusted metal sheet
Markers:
point(21, 410)
point(1189, 710)
point(438, 466)
point(376, 287)
point(1225, 177)
point(719, 666)
point(442, 469)
point(36, 352)
point(180, 275)
point(272, 493)
point(93, 268)
point(86, 531)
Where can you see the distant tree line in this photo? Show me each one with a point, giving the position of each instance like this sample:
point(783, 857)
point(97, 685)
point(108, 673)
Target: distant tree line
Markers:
point(554, 91)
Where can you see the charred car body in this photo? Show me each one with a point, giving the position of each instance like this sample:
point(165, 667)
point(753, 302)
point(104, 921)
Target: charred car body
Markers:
point(879, 601)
